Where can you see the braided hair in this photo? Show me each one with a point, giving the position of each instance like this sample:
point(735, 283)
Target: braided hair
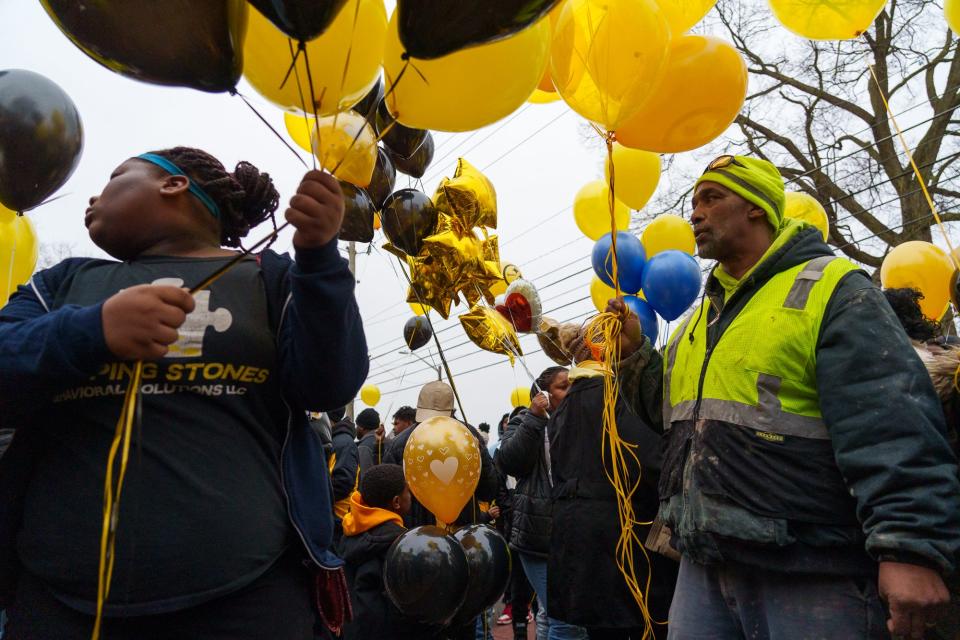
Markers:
point(245, 197)
point(906, 305)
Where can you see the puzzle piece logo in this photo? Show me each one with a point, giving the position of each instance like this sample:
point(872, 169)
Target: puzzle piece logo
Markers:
point(189, 344)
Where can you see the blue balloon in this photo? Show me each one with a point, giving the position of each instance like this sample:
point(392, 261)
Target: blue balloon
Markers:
point(631, 258)
point(671, 283)
point(648, 317)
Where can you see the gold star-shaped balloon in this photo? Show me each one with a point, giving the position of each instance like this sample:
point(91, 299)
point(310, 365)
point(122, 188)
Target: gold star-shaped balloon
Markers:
point(468, 198)
point(490, 331)
point(431, 285)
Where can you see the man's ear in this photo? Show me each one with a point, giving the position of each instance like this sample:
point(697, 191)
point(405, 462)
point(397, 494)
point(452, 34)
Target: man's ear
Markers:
point(395, 503)
point(174, 185)
point(756, 212)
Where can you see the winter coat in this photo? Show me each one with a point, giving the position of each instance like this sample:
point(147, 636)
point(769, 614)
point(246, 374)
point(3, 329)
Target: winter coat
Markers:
point(888, 488)
point(522, 454)
point(346, 466)
point(364, 547)
point(584, 584)
point(313, 311)
point(486, 487)
point(370, 451)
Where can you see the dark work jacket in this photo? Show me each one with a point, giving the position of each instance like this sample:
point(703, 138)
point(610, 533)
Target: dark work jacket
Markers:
point(522, 454)
point(584, 585)
point(313, 311)
point(486, 488)
point(370, 451)
point(344, 476)
point(884, 486)
point(374, 615)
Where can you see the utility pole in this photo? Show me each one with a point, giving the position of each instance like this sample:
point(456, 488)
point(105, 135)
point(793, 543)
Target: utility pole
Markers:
point(352, 261)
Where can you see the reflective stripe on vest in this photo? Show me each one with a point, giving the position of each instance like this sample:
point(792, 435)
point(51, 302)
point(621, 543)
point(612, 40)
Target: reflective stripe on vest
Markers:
point(761, 373)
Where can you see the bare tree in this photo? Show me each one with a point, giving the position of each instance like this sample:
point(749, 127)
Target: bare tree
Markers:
point(52, 253)
point(815, 111)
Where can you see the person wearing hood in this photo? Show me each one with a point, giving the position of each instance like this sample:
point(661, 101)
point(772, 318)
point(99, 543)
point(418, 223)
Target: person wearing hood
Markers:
point(369, 439)
point(374, 522)
point(807, 474)
point(344, 467)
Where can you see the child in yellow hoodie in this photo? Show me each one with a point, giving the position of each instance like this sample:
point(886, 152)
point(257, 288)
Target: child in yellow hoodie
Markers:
point(375, 520)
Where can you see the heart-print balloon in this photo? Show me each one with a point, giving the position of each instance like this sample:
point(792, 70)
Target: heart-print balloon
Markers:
point(444, 479)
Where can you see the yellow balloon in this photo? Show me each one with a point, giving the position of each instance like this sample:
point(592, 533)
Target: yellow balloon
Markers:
point(636, 175)
point(668, 231)
point(520, 397)
point(343, 46)
point(467, 89)
point(347, 146)
point(418, 309)
point(951, 11)
point(546, 82)
point(683, 14)
point(827, 19)
point(370, 394)
point(601, 294)
point(591, 210)
point(18, 252)
point(606, 55)
point(802, 206)
point(441, 462)
point(543, 97)
point(300, 128)
point(922, 266)
point(699, 96)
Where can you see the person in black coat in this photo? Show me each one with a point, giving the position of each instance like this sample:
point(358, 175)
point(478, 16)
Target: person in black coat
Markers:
point(344, 471)
point(369, 439)
point(371, 527)
point(585, 584)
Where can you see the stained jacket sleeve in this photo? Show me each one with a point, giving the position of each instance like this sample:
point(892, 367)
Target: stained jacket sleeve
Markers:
point(44, 351)
point(521, 444)
point(323, 350)
point(641, 384)
point(344, 476)
point(887, 429)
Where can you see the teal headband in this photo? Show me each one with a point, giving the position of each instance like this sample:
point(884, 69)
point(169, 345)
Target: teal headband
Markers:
point(174, 170)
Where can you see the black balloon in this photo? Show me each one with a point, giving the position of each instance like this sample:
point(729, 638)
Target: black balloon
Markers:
point(383, 180)
point(174, 42)
point(417, 332)
point(41, 138)
point(434, 28)
point(488, 560)
point(367, 107)
point(357, 214)
point(416, 165)
point(300, 19)
point(426, 575)
point(399, 139)
point(408, 216)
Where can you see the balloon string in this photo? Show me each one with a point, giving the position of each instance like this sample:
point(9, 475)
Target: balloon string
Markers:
point(294, 54)
point(269, 126)
point(112, 492)
point(443, 357)
point(916, 171)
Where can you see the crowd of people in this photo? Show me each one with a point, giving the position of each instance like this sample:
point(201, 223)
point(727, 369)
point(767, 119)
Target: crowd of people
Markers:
point(791, 474)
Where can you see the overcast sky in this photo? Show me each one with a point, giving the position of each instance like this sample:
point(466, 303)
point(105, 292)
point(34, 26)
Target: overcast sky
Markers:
point(537, 159)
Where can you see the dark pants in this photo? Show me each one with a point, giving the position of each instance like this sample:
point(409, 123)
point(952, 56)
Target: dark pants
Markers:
point(736, 602)
point(279, 604)
point(622, 634)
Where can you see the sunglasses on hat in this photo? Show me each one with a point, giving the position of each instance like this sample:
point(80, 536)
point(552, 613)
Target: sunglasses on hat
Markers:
point(722, 162)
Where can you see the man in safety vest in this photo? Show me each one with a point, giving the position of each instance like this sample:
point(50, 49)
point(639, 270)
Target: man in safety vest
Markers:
point(806, 475)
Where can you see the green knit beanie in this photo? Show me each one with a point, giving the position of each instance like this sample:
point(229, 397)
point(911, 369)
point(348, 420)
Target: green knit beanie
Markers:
point(754, 180)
